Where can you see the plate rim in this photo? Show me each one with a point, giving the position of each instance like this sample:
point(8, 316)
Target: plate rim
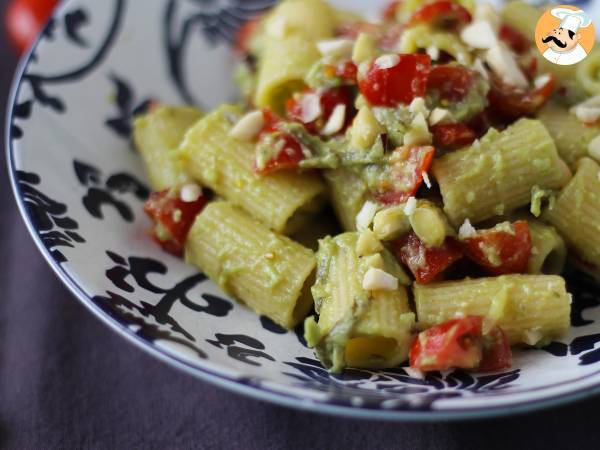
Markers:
point(207, 375)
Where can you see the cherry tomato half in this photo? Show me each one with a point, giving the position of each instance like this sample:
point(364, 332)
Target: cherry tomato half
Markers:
point(25, 19)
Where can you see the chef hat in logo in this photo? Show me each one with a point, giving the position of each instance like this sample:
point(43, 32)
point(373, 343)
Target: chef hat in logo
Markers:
point(572, 20)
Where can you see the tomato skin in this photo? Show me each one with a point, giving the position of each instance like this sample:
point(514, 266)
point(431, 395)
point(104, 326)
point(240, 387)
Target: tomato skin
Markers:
point(288, 158)
point(426, 263)
point(514, 39)
point(397, 85)
point(390, 10)
point(161, 207)
point(462, 344)
point(513, 251)
point(245, 34)
point(408, 164)
point(513, 103)
point(452, 136)
point(442, 13)
point(453, 344)
point(451, 82)
point(496, 351)
point(25, 19)
point(328, 100)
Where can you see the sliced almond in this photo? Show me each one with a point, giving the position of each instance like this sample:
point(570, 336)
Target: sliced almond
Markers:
point(336, 121)
point(190, 193)
point(248, 127)
point(503, 62)
point(336, 47)
point(438, 115)
point(479, 34)
point(379, 280)
point(387, 61)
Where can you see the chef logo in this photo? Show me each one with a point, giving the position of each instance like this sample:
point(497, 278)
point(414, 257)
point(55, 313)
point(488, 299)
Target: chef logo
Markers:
point(565, 35)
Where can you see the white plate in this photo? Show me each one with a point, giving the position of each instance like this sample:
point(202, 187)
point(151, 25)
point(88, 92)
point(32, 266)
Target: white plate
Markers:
point(80, 188)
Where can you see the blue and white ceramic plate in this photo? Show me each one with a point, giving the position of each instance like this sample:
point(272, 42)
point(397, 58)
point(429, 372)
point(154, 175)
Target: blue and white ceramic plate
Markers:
point(81, 189)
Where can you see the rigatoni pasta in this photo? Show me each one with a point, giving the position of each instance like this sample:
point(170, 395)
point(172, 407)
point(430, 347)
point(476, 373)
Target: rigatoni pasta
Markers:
point(157, 136)
point(268, 272)
point(495, 176)
point(576, 214)
point(531, 309)
point(281, 201)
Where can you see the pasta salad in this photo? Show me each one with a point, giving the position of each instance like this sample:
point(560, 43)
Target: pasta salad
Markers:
point(408, 190)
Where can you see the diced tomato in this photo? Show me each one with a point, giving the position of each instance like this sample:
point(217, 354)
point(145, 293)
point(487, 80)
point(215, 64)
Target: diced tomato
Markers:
point(391, 9)
point(496, 351)
point(451, 82)
point(347, 71)
point(499, 251)
point(24, 20)
point(426, 263)
point(173, 218)
point(289, 156)
point(514, 39)
point(453, 344)
point(445, 14)
point(462, 344)
point(404, 175)
point(328, 100)
point(396, 85)
point(514, 103)
point(245, 34)
point(452, 136)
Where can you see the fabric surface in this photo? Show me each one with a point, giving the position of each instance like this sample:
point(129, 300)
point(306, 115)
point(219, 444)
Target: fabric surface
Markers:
point(68, 381)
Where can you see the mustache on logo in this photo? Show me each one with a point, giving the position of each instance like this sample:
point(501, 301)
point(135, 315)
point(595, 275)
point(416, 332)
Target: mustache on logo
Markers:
point(556, 41)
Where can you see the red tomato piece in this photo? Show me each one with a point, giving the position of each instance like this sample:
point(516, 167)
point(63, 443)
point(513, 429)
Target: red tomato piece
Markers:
point(445, 14)
point(499, 251)
point(386, 36)
point(390, 10)
point(462, 344)
point(173, 218)
point(405, 174)
point(452, 136)
point(245, 34)
point(328, 100)
point(396, 85)
point(514, 103)
point(496, 351)
point(25, 19)
point(452, 83)
point(288, 158)
point(514, 39)
point(453, 344)
point(426, 263)
point(347, 71)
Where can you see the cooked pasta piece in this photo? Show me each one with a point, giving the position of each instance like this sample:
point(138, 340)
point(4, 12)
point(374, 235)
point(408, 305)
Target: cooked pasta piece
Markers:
point(283, 201)
point(531, 309)
point(496, 175)
point(282, 68)
point(312, 19)
point(588, 73)
point(576, 214)
point(348, 193)
point(156, 136)
point(364, 315)
point(423, 37)
point(571, 136)
point(549, 251)
point(268, 272)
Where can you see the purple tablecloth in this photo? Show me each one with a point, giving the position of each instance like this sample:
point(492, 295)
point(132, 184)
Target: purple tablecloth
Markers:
point(68, 381)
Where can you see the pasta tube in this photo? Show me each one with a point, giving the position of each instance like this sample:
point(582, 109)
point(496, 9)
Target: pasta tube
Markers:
point(358, 326)
point(268, 272)
point(156, 136)
point(576, 214)
point(571, 136)
point(531, 309)
point(496, 176)
point(281, 70)
point(348, 193)
point(549, 251)
point(283, 201)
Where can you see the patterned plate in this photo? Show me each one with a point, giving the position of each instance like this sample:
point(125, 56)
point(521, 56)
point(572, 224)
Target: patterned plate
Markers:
point(81, 189)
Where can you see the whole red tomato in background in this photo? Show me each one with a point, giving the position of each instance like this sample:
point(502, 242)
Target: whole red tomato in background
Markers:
point(24, 19)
